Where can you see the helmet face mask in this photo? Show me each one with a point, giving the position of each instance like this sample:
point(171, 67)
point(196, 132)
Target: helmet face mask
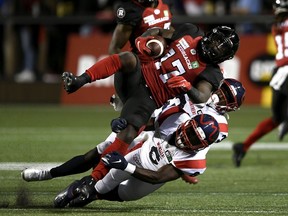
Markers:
point(219, 45)
point(229, 96)
point(280, 7)
point(197, 133)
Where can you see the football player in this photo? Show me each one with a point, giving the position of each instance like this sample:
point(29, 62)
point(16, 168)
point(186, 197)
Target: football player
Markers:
point(134, 17)
point(189, 66)
point(228, 98)
point(154, 160)
point(278, 83)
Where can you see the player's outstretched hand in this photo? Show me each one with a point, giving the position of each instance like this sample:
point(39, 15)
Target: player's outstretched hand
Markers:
point(118, 124)
point(115, 160)
point(72, 83)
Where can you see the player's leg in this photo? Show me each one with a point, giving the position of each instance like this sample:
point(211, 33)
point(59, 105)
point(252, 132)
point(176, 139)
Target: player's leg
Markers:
point(263, 128)
point(280, 112)
point(138, 107)
point(75, 165)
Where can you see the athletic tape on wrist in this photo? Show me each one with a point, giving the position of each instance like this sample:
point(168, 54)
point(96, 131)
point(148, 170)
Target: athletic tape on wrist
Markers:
point(130, 168)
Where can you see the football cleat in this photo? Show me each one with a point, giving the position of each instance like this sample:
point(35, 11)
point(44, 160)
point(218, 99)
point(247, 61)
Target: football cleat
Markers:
point(33, 174)
point(238, 154)
point(283, 130)
point(64, 197)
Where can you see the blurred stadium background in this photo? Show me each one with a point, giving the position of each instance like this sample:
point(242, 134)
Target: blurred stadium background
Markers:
point(41, 124)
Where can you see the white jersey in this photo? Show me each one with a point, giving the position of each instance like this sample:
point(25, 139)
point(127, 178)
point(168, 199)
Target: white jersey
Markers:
point(152, 153)
point(151, 150)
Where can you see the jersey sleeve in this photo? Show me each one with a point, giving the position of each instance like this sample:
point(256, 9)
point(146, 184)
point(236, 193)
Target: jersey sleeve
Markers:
point(191, 164)
point(187, 29)
point(128, 14)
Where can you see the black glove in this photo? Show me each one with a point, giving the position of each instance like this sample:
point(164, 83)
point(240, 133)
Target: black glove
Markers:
point(118, 124)
point(72, 83)
point(84, 193)
point(115, 160)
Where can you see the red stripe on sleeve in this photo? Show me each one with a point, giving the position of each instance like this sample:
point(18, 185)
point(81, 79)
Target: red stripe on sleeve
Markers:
point(223, 127)
point(194, 164)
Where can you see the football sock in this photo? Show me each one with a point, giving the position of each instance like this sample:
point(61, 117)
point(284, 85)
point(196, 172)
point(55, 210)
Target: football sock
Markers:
point(76, 165)
point(104, 68)
point(101, 170)
point(261, 129)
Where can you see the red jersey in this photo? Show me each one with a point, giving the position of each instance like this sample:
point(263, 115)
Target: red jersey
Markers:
point(181, 59)
point(279, 32)
point(141, 18)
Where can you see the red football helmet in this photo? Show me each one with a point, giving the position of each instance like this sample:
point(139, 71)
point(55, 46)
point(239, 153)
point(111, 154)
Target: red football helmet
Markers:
point(197, 133)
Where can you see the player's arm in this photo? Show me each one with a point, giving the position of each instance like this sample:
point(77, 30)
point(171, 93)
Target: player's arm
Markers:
point(164, 174)
point(201, 92)
point(166, 33)
point(120, 37)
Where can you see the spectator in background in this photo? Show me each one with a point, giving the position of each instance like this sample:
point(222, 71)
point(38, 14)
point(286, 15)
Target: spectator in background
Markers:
point(28, 38)
point(247, 7)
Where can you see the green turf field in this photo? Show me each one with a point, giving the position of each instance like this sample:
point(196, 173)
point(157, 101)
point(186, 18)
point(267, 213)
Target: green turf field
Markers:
point(43, 133)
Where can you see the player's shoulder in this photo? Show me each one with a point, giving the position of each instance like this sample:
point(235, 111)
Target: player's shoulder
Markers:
point(187, 29)
point(127, 12)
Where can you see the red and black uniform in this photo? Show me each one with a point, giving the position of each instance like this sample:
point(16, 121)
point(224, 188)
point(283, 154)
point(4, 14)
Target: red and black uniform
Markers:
point(141, 18)
point(145, 88)
point(279, 81)
point(181, 59)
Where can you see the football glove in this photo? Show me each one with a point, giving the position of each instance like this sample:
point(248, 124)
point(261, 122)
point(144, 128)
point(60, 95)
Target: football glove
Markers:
point(72, 83)
point(84, 193)
point(179, 82)
point(141, 44)
point(115, 160)
point(118, 124)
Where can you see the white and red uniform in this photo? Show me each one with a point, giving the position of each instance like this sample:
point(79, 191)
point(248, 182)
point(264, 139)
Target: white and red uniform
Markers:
point(151, 150)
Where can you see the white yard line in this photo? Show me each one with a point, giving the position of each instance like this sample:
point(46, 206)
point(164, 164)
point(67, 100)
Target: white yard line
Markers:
point(216, 147)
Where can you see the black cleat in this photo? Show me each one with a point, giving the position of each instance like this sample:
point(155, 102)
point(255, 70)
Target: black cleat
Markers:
point(238, 154)
point(65, 196)
point(283, 130)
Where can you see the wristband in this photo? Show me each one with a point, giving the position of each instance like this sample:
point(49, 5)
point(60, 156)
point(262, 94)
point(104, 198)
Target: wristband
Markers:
point(130, 168)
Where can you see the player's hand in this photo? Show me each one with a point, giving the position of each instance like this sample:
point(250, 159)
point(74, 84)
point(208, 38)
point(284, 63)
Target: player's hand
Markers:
point(141, 44)
point(72, 83)
point(84, 193)
point(118, 124)
point(179, 82)
point(189, 179)
point(115, 160)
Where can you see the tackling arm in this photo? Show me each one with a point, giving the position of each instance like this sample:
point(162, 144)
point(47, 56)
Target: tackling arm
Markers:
point(120, 37)
point(200, 93)
point(164, 174)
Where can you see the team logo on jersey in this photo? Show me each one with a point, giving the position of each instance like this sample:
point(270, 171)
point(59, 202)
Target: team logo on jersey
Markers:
point(157, 11)
point(193, 51)
point(166, 13)
point(121, 13)
point(168, 155)
point(195, 64)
